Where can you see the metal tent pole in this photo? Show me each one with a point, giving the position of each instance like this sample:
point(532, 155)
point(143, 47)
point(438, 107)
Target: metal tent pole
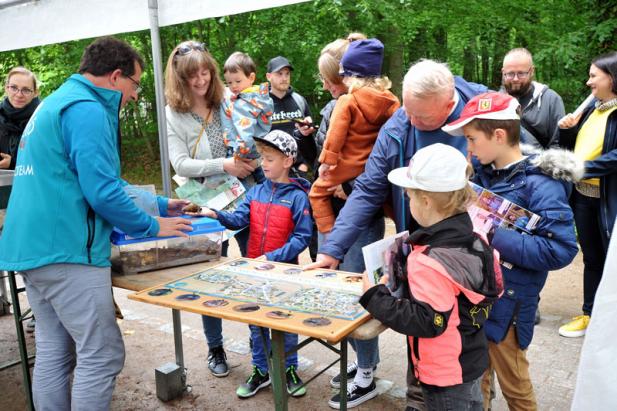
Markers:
point(160, 95)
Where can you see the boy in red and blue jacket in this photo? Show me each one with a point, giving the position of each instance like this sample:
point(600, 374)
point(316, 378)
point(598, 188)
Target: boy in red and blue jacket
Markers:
point(277, 212)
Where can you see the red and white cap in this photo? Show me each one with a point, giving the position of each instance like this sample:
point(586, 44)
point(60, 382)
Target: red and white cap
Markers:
point(488, 106)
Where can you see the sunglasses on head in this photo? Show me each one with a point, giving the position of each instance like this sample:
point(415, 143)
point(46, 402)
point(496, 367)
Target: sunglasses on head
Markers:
point(187, 48)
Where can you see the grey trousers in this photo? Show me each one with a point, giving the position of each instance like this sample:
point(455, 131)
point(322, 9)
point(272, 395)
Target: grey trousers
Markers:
point(76, 333)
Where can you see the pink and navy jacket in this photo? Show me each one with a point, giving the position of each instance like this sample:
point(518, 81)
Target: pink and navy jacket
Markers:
point(453, 279)
point(279, 218)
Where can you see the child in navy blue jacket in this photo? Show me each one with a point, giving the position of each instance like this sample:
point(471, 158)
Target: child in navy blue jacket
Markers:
point(278, 214)
point(540, 183)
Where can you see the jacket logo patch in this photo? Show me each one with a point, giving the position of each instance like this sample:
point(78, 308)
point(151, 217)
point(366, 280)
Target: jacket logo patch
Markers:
point(475, 310)
point(306, 211)
point(484, 104)
point(286, 201)
point(438, 320)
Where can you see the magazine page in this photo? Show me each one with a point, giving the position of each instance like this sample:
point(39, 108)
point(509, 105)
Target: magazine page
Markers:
point(491, 210)
point(375, 255)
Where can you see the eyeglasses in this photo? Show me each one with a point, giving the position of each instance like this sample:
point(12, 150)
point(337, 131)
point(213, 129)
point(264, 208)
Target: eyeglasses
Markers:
point(188, 47)
point(136, 85)
point(520, 74)
point(26, 92)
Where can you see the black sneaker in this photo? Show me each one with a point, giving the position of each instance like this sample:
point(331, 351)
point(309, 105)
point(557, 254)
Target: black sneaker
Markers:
point(217, 362)
point(355, 396)
point(352, 370)
point(295, 386)
point(254, 383)
point(30, 325)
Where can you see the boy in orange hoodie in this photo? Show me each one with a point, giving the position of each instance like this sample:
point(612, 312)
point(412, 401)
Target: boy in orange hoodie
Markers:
point(354, 125)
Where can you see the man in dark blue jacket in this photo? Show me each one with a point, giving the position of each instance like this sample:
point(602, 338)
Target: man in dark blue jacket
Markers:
point(432, 97)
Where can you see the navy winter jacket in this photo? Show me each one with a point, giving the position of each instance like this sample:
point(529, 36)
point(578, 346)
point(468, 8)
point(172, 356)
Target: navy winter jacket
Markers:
point(393, 149)
point(604, 167)
point(279, 217)
point(532, 184)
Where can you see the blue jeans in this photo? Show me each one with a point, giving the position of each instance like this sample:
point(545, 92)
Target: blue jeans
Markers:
point(594, 244)
point(76, 333)
point(260, 353)
point(367, 351)
point(462, 397)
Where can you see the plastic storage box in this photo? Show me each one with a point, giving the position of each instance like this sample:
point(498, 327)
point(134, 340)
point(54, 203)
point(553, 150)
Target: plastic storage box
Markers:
point(134, 255)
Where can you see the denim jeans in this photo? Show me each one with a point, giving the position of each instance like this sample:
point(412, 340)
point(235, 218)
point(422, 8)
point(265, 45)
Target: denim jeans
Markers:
point(367, 351)
point(260, 353)
point(76, 333)
point(462, 397)
point(213, 327)
point(594, 245)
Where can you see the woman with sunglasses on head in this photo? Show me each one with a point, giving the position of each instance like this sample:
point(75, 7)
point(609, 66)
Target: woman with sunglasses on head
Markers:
point(592, 135)
point(21, 99)
point(194, 93)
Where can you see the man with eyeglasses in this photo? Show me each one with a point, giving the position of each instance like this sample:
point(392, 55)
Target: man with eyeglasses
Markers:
point(67, 196)
point(541, 107)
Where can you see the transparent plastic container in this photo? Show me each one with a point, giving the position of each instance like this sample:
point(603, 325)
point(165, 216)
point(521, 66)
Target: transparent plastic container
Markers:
point(135, 255)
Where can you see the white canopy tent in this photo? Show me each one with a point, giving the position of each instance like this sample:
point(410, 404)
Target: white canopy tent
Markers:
point(57, 21)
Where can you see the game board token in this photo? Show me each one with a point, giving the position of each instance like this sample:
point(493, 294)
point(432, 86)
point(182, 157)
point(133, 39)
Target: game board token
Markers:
point(238, 263)
point(278, 315)
point(265, 267)
point(316, 322)
point(178, 284)
point(325, 274)
point(159, 292)
point(293, 271)
point(353, 278)
point(187, 297)
point(246, 307)
point(215, 303)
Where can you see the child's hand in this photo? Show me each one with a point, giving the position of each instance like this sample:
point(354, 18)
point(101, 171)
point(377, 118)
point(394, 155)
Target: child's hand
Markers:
point(325, 170)
point(203, 212)
point(366, 283)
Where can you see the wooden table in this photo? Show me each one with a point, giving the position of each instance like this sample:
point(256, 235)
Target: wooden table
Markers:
point(335, 333)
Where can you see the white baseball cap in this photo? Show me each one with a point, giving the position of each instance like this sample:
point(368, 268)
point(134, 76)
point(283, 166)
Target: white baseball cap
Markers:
point(437, 168)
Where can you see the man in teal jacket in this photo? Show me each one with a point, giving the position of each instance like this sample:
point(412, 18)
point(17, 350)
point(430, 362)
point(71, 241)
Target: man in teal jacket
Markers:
point(67, 196)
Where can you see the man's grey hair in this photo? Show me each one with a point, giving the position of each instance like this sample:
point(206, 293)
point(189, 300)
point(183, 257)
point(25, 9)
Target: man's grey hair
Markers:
point(521, 51)
point(428, 78)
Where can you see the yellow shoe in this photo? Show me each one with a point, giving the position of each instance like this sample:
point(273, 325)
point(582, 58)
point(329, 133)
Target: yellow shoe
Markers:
point(576, 327)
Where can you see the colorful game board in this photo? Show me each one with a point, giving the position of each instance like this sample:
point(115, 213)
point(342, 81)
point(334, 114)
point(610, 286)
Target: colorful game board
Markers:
point(318, 303)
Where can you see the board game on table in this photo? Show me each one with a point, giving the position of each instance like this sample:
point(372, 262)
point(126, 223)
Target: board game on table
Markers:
point(319, 303)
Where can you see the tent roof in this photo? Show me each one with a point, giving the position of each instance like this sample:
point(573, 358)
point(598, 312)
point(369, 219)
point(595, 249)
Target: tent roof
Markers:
point(39, 22)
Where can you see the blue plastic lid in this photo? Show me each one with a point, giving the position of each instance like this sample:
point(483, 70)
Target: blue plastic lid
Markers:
point(201, 225)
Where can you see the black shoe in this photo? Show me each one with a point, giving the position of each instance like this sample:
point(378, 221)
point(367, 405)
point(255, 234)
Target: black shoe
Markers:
point(537, 319)
point(254, 383)
point(295, 386)
point(355, 396)
point(30, 325)
point(352, 369)
point(217, 362)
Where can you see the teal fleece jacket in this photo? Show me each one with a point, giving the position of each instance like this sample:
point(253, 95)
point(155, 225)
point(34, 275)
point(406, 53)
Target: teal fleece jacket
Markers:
point(67, 192)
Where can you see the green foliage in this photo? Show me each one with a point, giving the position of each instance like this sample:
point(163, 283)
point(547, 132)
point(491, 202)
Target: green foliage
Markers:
point(471, 35)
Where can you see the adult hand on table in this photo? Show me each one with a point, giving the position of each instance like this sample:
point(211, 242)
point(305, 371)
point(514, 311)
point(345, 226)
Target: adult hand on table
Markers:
point(174, 226)
point(175, 207)
point(323, 261)
point(238, 167)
